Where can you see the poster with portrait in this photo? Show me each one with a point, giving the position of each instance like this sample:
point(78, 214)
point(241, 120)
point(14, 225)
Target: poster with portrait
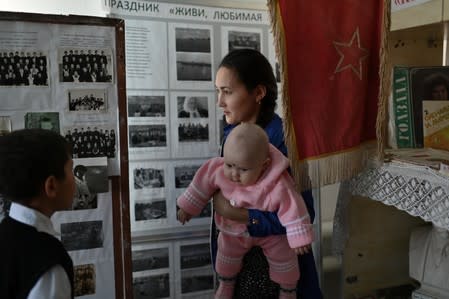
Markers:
point(193, 124)
point(426, 84)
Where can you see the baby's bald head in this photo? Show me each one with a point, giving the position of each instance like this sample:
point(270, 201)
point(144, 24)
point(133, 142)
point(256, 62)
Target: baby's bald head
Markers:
point(249, 140)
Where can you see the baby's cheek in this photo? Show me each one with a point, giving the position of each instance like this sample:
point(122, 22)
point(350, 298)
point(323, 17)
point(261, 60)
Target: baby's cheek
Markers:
point(227, 173)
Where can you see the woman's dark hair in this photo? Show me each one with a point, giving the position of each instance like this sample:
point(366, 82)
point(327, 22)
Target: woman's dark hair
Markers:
point(27, 158)
point(253, 69)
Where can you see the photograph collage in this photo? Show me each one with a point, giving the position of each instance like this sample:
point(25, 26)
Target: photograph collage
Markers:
point(173, 128)
point(53, 78)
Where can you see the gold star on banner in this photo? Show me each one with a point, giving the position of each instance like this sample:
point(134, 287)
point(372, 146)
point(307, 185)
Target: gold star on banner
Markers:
point(351, 55)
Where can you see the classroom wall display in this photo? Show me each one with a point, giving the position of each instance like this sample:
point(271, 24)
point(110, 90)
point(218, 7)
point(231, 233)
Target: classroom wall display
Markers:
point(66, 74)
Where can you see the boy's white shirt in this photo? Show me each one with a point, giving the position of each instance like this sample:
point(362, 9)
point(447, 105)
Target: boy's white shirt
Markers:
point(54, 283)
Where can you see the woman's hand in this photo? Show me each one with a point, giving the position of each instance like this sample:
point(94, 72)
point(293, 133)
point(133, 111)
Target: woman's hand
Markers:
point(224, 208)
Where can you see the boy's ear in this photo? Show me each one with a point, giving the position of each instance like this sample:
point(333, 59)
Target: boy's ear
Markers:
point(51, 186)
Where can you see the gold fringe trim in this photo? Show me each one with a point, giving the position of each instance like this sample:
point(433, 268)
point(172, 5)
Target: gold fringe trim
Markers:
point(328, 169)
point(277, 28)
point(337, 167)
point(385, 82)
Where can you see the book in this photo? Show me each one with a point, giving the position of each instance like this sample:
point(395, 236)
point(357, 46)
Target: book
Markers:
point(426, 84)
point(436, 124)
point(411, 86)
point(402, 108)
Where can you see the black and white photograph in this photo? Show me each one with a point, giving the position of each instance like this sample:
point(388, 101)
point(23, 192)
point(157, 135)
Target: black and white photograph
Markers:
point(193, 54)
point(87, 100)
point(150, 259)
point(42, 120)
point(155, 209)
point(195, 255)
point(92, 141)
point(148, 178)
point(82, 235)
point(85, 65)
point(147, 136)
point(91, 178)
point(20, 68)
point(193, 107)
point(84, 280)
point(151, 287)
point(244, 40)
point(195, 280)
point(5, 125)
point(184, 175)
point(146, 106)
point(193, 132)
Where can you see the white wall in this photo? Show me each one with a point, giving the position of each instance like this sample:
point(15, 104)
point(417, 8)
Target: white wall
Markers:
point(94, 7)
point(74, 7)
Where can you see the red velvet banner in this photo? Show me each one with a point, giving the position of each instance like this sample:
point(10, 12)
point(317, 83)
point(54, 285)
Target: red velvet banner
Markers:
point(332, 52)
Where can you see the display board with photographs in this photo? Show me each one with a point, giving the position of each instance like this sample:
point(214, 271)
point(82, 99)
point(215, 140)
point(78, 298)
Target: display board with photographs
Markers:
point(175, 124)
point(35, 63)
point(61, 73)
point(173, 116)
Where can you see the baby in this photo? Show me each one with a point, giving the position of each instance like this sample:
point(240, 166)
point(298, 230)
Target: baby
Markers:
point(252, 174)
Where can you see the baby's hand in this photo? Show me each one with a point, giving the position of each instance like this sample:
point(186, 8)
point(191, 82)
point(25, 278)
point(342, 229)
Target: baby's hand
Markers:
point(303, 249)
point(183, 216)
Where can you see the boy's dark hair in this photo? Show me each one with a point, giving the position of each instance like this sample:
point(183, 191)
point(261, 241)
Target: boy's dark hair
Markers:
point(27, 158)
point(253, 69)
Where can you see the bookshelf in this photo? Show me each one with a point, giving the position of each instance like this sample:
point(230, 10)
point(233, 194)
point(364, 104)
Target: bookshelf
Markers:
point(378, 224)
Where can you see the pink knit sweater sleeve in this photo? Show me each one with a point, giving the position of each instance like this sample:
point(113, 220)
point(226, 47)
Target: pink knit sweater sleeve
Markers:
point(292, 212)
point(202, 187)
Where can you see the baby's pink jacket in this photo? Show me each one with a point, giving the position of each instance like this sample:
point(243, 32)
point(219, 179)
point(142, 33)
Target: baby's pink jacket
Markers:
point(273, 192)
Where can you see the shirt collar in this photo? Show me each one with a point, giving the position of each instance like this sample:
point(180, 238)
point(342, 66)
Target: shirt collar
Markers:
point(32, 217)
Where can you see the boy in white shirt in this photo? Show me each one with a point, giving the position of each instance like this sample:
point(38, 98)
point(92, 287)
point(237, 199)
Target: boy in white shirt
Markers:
point(36, 175)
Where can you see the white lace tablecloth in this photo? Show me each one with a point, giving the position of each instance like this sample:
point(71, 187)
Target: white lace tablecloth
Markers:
point(420, 191)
